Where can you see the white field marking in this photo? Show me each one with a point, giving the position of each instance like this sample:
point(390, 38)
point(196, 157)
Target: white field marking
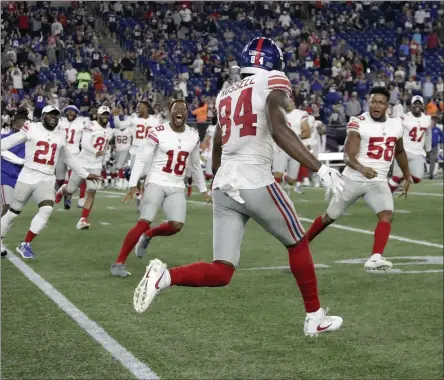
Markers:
point(346, 214)
point(281, 267)
point(110, 208)
point(105, 223)
point(113, 196)
point(397, 193)
point(138, 369)
point(402, 211)
point(367, 232)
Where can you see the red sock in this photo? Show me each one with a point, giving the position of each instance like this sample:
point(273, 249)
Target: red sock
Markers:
point(165, 229)
point(278, 180)
point(60, 182)
point(30, 236)
point(316, 228)
point(121, 173)
point(202, 274)
point(85, 212)
point(104, 175)
point(394, 183)
point(113, 175)
point(302, 267)
point(131, 239)
point(382, 233)
point(189, 188)
point(416, 179)
point(82, 189)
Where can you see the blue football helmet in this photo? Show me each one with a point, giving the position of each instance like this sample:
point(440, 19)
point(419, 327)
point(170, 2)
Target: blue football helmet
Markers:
point(262, 53)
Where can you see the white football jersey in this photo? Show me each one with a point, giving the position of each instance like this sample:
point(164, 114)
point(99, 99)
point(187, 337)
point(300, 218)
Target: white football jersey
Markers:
point(95, 139)
point(295, 120)
point(42, 147)
point(377, 149)
point(74, 131)
point(210, 133)
point(123, 139)
point(416, 130)
point(139, 128)
point(315, 137)
point(168, 152)
point(247, 145)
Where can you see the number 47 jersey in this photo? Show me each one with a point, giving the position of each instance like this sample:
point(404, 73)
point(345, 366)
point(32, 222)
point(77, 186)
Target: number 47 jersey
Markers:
point(377, 148)
point(247, 145)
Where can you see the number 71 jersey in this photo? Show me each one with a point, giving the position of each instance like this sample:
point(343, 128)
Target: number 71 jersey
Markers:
point(377, 147)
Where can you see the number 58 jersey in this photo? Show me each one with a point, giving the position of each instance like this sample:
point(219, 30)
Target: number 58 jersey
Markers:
point(247, 145)
point(377, 147)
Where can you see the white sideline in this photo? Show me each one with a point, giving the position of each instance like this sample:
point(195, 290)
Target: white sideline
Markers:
point(120, 353)
point(367, 232)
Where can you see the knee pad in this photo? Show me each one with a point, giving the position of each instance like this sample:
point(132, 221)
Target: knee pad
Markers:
point(224, 273)
point(39, 221)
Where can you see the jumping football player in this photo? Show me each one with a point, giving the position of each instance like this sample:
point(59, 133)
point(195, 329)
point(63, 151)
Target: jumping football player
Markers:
point(251, 114)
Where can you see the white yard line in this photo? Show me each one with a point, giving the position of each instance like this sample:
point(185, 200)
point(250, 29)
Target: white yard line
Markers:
point(105, 223)
point(366, 232)
point(120, 353)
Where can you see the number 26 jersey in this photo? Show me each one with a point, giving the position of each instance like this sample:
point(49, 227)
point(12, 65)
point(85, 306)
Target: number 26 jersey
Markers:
point(377, 147)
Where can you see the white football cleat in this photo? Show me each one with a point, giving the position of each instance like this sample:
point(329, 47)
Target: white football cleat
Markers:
point(377, 263)
point(318, 323)
point(306, 182)
point(83, 224)
point(81, 202)
point(149, 286)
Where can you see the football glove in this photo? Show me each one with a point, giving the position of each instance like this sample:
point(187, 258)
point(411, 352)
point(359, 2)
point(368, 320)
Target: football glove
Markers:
point(331, 181)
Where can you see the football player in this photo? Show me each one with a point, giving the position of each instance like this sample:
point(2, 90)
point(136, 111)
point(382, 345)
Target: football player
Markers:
point(373, 141)
point(252, 113)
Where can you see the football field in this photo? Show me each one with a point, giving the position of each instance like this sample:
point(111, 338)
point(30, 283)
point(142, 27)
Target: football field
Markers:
point(83, 325)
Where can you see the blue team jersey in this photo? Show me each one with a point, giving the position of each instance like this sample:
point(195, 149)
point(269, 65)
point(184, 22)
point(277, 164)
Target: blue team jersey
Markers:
point(10, 171)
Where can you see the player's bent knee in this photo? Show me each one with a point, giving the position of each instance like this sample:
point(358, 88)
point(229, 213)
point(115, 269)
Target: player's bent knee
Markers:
point(177, 226)
point(385, 216)
point(46, 203)
point(225, 271)
point(326, 219)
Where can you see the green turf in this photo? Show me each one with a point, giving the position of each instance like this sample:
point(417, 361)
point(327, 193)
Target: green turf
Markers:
point(252, 329)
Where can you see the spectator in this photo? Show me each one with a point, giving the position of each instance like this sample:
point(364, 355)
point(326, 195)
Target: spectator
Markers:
point(432, 108)
point(185, 14)
point(17, 79)
point(437, 141)
point(285, 20)
point(201, 114)
point(198, 65)
point(71, 75)
point(428, 89)
point(127, 63)
point(116, 70)
point(83, 79)
point(420, 17)
point(440, 88)
point(353, 107)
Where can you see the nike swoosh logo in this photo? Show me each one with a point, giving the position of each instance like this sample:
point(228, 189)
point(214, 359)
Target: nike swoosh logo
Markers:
point(319, 328)
point(157, 283)
point(148, 274)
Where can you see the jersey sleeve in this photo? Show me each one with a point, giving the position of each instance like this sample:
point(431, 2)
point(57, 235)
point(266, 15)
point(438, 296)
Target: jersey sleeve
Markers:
point(198, 175)
point(27, 129)
point(13, 140)
point(143, 156)
point(353, 125)
point(278, 81)
point(87, 140)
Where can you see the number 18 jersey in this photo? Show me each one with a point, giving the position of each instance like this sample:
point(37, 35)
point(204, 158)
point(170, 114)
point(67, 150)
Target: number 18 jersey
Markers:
point(377, 148)
point(247, 145)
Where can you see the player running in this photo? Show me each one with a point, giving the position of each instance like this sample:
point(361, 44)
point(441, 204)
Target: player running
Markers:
point(45, 143)
point(11, 164)
point(282, 162)
point(123, 144)
point(416, 126)
point(373, 140)
point(167, 147)
point(96, 137)
point(73, 124)
point(252, 113)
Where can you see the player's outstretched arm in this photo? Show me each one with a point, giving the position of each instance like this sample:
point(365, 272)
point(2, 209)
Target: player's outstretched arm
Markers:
point(13, 140)
point(144, 154)
point(12, 158)
point(217, 149)
point(122, 124)
point(74, 164)
point(403, 162)
point(305, 130)
point(284, 136)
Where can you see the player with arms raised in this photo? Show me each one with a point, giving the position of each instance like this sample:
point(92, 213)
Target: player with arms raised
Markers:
point(95, 141)
point(252, 113)
point(373, 140)
point(417, 128)
point(45, 144)
point(167, 147)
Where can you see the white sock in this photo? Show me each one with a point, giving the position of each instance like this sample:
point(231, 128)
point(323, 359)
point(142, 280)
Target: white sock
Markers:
point(6, 222)
point(39, 221)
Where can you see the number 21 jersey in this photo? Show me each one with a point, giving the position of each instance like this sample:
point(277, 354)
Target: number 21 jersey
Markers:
point(247, 145)
point(377, 148)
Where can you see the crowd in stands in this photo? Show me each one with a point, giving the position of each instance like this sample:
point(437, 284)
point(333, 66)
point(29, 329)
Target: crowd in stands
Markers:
point(334, 53)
